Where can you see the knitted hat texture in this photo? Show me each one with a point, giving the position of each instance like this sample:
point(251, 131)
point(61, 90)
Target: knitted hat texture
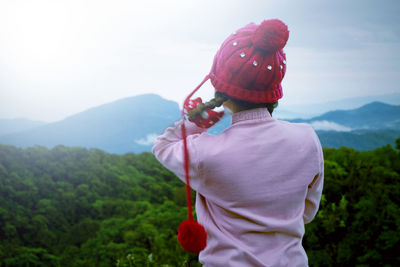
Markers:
point(251, 64)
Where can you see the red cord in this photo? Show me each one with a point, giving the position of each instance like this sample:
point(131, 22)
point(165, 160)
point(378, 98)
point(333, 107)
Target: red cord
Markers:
point(186, 167)
point(186, 151)
point(191, 235)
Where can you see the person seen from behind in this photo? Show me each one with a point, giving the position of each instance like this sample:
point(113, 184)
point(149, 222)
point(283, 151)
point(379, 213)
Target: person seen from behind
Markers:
point(260, 180)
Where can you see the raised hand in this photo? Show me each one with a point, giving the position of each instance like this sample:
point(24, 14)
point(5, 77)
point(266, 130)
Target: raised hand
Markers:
point(205, 119)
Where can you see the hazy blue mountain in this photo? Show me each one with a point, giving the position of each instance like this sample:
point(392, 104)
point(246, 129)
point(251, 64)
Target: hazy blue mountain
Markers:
point(365, 128)
point(127, 125)
point(306, 111)
point(132, 124)
point(9, 126)
point(373, 116)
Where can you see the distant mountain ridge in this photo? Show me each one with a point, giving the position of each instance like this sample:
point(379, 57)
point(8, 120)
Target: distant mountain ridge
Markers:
point(373, 116)
point(9, 126)
point(132, 125)
point(307, 111)
point(126, 125)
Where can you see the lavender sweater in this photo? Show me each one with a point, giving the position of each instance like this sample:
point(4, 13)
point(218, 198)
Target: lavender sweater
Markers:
point(257, 184)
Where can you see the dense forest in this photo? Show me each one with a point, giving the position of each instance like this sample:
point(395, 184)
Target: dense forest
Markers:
point(71, 206)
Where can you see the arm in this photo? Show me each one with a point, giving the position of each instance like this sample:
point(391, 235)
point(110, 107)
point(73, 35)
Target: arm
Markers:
point(168, 149)
point(315, 187)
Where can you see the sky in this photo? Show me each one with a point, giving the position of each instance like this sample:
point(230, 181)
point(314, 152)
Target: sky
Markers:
point(58, 58)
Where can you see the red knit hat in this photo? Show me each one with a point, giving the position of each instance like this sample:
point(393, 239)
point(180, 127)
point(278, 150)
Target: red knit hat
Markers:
point(251, 64)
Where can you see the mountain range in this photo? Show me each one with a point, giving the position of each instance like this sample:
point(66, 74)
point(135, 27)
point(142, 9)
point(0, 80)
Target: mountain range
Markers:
point(373, 116)
point(132, 124)
point(17, 125)
point(304, 111)
point(126, 125)
point(368, 127)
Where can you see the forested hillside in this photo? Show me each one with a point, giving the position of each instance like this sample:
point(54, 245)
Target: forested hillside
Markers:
point(76, 207)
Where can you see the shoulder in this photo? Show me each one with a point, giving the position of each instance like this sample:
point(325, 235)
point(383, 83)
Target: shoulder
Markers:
point(297, 128)
point(301, 132)
point(299, 125)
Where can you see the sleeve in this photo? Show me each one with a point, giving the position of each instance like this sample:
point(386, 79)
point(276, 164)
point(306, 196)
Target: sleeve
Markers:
point(168, 149)
point(315, 187)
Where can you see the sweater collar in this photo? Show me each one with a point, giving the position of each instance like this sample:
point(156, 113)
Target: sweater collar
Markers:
point(251, 114)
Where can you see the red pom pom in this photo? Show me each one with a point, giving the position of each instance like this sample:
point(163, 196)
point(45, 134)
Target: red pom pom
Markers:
point(271, 35)
point(192, 236)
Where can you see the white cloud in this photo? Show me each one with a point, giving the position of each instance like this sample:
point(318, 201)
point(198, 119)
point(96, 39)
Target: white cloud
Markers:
point(329, 126)
point(148, 140)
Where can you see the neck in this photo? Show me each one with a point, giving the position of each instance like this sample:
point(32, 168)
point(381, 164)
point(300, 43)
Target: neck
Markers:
point(251, 114)
point(235, 107)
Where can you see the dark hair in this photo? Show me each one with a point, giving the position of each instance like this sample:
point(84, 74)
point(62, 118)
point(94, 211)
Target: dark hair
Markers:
point(245, 105)
point(220, 98)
